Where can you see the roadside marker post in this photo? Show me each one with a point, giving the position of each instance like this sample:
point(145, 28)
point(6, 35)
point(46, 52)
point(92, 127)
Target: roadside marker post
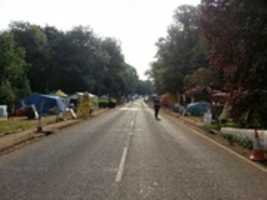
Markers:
point(39, 126)
point(257, 153)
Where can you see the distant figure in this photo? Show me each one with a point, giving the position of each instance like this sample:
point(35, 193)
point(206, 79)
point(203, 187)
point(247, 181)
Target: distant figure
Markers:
point(156, 106)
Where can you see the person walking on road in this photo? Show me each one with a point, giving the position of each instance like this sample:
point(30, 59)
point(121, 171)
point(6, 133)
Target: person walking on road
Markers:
point(156, 106)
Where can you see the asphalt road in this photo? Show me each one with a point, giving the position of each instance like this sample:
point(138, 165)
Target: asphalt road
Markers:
point(127, 154)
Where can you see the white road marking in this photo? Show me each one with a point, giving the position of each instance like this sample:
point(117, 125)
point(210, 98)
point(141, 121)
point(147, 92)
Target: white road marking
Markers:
point(122, 165)
point(129, 109)
point(132, 124)
point(125, 152)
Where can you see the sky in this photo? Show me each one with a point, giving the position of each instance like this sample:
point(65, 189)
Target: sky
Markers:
point(137, 24)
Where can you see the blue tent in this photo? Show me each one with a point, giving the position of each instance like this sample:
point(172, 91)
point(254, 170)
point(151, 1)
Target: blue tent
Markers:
point(44, 103)
point(197, 108)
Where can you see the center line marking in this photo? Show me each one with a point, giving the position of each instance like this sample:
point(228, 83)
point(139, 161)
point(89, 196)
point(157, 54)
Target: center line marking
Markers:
point(132, 123)
point(122, 164)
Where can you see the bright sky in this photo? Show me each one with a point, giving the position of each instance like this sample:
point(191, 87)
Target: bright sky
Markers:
point(137, 24)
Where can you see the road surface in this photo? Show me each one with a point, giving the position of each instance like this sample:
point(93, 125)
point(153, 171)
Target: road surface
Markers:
point(126, 154)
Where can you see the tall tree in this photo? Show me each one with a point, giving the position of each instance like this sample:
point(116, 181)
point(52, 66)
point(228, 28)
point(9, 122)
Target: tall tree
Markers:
point(180, 52)
point(75, 60)
point(236, 32)
point(13, 80)
point(34, 41)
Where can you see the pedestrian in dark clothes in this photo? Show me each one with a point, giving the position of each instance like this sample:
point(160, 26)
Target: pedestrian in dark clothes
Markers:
point(156, 106)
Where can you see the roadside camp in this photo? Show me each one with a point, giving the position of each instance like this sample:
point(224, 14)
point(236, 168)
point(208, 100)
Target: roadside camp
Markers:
point(74, 100)
point(44, 104)
point(61, 94)
point(197, 108)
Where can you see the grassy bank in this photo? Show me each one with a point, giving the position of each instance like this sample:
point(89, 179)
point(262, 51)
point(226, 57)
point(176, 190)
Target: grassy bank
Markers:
point(14, 125)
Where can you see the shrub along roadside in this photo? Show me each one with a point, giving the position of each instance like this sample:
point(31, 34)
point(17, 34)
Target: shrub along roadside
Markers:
point(234, 139)
point(106, 103)
point(242, 141)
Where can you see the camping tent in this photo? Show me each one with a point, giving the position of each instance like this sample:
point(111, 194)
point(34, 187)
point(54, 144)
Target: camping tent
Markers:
point(44, 103)
point(62, 95)
point(74, 99)
point(197, 108)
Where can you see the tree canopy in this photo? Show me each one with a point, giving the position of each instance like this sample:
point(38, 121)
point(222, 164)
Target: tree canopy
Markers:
point(220, 44)
point(13, 78)
point(236, 32)
point(44, 59)
point(180, 53)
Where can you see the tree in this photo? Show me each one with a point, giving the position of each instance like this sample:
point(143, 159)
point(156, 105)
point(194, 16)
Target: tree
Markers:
point(204, 77)
point(33, 40)
point(115, 67)
point(130, 79)
point(180, 53)
point(236, 32)
point(145, 87)
point(75, 60)
point(13, 80)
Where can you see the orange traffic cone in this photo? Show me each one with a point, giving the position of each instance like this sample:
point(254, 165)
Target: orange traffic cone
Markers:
point(257, 154)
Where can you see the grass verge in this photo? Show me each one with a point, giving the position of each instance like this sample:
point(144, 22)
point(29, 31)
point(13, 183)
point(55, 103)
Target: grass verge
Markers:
point(18, 124)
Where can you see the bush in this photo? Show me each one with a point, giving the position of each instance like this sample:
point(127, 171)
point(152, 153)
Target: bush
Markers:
point(107, 103)
point(229, 138)
point(103, 103)
point(242, 141)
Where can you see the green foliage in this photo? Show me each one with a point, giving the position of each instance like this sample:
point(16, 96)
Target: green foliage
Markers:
point(242, 141)
point(107, 103)
point(15, 125)
point(180, 53)
point(229, 138)
point(145, 87)
point(203, 77)
point(236, 32)
point(7, 93)
point(44, 59)
point(218, 45)
point(103, 102)
point(130, 79)
point(214, 126)
point(34, 41)
point(13, 81)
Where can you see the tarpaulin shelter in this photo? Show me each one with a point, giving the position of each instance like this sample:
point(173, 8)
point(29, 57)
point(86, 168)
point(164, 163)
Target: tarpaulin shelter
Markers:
point(197, 108)
point(62, 95)
point(44, 103)
point(75, 98)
